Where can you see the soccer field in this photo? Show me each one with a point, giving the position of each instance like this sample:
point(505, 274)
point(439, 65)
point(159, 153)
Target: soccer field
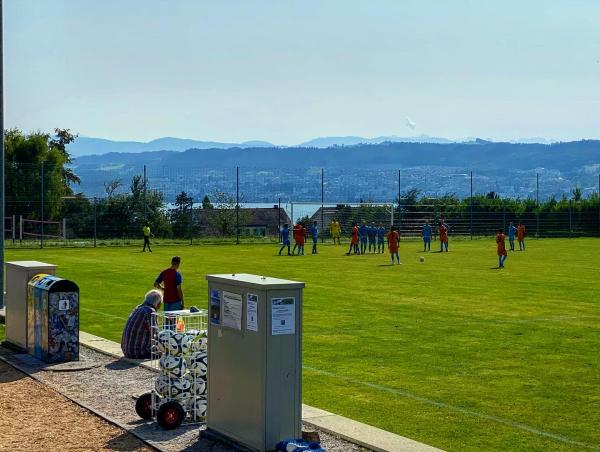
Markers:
point(451, 352)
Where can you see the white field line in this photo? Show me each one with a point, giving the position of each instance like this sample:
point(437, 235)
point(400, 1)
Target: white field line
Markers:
point(549, 319)
point(112, 316)
point(435, 403)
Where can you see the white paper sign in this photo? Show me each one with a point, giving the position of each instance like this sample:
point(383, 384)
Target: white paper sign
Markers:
point(232, 310)
point(283, 315)
point(252, 312)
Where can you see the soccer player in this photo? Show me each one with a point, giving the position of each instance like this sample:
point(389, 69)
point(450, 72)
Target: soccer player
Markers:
point(301, 238)
point(380, 238)
point(335, 230)
point(372, 236)
point(393, 240)
point(501, 248)
point(315, 236)
point(285, 239)
point(521, 236)
point(511, 236)
point(169, 280)
point(426, 233)
point(362, 232)
point(354, 240)
point(443, 230)
point(147, 234)
point(296, 233)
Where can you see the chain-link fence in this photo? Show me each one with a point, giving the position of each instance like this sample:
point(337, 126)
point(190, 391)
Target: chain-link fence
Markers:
point(191, 205)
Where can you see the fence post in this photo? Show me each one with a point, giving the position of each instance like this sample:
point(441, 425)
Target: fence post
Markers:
point(14, 231)
point(292, 204)
point(570, 217)
point(21, 228)
point(64, 226)
point(95, 219)
point(191, 219)
point(537, 203)
point(503, 215)
point(145, 202)
point(42, 204)
point(471, 206)
point(279, 219)
point(322, 203)
point(237, 205)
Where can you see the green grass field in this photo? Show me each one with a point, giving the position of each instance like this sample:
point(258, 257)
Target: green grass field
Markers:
point(451, 352)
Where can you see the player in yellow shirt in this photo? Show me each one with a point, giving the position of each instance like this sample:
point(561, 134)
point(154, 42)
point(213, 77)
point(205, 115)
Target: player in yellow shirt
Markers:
point(147, 235)
point(335, 230)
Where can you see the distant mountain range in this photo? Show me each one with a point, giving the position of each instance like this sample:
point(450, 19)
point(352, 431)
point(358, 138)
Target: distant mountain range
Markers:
point(97, 146)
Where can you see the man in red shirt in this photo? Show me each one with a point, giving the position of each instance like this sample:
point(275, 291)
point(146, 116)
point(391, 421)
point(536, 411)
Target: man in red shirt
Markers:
point(443, 230)
point(354, 240)
point(501, 248)
point(170, 281)
point(393, 244)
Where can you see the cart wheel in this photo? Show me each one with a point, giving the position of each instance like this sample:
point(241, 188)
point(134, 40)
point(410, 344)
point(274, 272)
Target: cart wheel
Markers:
point(170, 415)
point(143, 406)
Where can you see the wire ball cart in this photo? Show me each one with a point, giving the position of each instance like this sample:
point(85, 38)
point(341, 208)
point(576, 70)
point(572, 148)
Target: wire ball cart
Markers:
point(179, 354)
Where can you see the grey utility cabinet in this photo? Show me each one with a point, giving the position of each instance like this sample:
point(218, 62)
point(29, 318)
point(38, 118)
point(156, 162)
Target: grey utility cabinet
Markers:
point(254, 359)
point(18, 275)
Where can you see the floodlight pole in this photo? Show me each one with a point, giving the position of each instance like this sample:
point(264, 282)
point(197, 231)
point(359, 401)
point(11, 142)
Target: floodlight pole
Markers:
point(2, 160)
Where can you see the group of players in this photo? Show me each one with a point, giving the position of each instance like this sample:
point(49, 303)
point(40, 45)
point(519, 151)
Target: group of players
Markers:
point(372, 239)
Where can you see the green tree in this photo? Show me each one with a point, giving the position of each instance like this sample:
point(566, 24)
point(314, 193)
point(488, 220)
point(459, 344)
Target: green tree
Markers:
point(181, 215)
point(206, 204)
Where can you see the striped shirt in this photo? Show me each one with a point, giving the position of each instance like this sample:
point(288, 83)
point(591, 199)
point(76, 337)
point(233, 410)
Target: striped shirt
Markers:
point(137, 334)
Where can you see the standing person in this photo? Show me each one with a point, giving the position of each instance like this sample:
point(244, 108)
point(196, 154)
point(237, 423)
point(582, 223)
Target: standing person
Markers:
point(147, 234)
point(380, 238)
point(301, 238)
point(362, 232)
point(372, 235)
point(443, 230)
point(521, 236)
point(393, 244)
point(335, 230)
point(501, 248)
point(136, 340)
point(354, 240)
point(296, 234)
point(511, 236)
point(426, 233)
point(315, 236)
point(170, 280)
point(285, 239)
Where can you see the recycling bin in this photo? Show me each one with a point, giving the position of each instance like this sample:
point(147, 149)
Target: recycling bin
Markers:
point(53, 319)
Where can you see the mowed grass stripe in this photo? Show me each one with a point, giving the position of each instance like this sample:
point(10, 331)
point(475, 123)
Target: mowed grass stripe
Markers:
point(520, 344)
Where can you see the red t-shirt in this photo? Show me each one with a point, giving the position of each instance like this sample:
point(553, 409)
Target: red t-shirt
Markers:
point(170, 278)
point(355, 235)
point(501, 244)
point(393, 238)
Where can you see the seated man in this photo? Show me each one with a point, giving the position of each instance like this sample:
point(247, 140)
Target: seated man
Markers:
point(137, 334)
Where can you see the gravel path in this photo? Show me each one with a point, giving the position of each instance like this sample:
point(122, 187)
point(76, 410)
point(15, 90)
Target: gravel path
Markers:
point(109, 387)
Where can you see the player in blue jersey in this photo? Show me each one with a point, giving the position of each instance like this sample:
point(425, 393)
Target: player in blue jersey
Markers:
point(372, 237)
point(285, 239)
point(314, 231)
point(512, 232)
point(362, 232)
point(380, 239)
point(426, 233)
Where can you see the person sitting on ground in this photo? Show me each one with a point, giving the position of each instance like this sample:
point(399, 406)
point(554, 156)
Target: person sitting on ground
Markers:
point(137, 334)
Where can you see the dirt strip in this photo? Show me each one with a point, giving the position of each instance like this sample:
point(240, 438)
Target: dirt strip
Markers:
point(108, 386)
point(35, 417)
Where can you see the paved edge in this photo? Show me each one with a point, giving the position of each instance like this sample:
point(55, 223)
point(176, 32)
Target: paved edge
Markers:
point(85, 407)
point(355, 432)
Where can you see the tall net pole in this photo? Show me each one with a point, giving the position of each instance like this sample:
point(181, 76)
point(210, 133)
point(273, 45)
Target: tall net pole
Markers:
point(2, 161)
point(537, 203)
point(322, 204)
point(145, 203)
point(42, 204)
point(471, 207)
point(237, 205)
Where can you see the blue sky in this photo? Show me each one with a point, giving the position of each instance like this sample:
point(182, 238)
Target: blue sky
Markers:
point(287, 71)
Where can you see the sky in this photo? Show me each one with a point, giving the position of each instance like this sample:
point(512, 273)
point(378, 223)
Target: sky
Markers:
point(288, 71)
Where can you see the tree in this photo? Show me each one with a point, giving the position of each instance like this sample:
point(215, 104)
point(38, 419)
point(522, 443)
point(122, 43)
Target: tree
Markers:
point(577, 195)
point(181, 215)
point(206, 203)
point(112, 186)
point(35, 161)
point(224, 216)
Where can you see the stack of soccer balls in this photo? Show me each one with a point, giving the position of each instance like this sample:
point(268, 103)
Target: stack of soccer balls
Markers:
point(183, 363)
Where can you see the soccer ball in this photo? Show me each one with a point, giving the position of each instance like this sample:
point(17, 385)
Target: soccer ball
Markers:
point(199, 344)
point(422, 259)
point(199, 364)
point(197, 407)
point(161, 385)
point(165, 340)
point(198, 384)
point(184, 342)
point(173, 365)
point(179, 388)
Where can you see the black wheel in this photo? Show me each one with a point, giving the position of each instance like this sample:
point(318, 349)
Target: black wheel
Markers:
point(170, 415)
point(143, 406)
